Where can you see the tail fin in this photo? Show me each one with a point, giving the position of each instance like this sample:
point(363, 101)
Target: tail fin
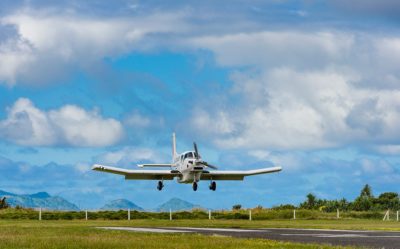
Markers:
point(173, 146)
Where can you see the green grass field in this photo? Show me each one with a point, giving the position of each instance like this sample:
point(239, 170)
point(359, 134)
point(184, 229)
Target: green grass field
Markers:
point(83, 234)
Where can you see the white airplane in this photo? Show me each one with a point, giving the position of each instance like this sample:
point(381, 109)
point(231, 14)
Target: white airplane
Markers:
point(187, 167)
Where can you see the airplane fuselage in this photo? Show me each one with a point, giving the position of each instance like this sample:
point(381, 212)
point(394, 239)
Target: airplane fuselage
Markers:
point(185, 163)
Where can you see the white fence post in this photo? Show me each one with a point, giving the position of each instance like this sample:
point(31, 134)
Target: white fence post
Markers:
point(397, 215)
point(129, 214)
point(337, 214)
point(387, 215)
point(209, 214)
point(170, 214)
point(294, 214)
point(86, 215)
point(40, 213)
point(250, 214)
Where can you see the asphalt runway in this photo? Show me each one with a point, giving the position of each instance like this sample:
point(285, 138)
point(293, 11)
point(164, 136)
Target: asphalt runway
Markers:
point(368, 239)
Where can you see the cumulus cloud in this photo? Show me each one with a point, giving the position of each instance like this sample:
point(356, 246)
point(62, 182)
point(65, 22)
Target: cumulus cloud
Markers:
point(290, 109)
point(69, 125)
point(277, 48)
point(305, 90)
point(131, 156)
point(51, 43)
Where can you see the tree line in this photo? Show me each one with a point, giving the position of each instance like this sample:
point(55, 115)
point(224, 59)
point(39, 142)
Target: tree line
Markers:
point(366, 201)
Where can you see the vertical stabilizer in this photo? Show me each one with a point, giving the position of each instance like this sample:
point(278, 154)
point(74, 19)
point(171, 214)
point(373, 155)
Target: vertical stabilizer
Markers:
point(173, 146)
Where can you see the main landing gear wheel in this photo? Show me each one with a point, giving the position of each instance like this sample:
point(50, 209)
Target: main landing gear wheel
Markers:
point(195, 186)
point(160, 185)
point(213, 186)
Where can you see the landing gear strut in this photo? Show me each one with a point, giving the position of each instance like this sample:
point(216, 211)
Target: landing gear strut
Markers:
point(213, 186)
point(194, 186)
point(160, 185)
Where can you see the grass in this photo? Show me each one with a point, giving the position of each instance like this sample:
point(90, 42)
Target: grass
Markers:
point(83, 234)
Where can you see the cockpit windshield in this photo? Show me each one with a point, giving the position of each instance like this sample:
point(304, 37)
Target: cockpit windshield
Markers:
point(189, 155)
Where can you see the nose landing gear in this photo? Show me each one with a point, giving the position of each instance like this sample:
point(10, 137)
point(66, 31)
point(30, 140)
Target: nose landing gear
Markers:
point(160, 185)
point(213, 186)
point(194, 186)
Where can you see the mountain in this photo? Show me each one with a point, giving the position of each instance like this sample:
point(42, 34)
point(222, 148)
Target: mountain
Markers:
point(176, 204)
point(40, 195)
point(4, 193)
point(121, 204)
point(38, 200)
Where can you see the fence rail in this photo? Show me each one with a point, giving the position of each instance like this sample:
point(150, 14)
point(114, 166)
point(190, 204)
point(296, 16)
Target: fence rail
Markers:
point(244, 214)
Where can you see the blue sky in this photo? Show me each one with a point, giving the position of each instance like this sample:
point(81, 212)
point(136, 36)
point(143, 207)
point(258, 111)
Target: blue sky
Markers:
point(312, 86)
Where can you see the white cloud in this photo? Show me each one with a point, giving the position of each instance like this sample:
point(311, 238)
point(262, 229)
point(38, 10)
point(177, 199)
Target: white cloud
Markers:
point(218, 123)
point(51, 43)
point(137, 120)
point(305, 90)
point(15, 56)
point(290, 109)
point(388, 149)
point(83, 167)
point(278, 48)
point(130, 156)
point(70, 125)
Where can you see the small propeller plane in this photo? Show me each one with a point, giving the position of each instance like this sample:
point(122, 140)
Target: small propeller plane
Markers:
point(187, 167)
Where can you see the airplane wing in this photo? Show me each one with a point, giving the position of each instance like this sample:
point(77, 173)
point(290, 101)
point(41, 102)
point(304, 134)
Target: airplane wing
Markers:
point(155, 165)
point(236, 174)
point(138, 174)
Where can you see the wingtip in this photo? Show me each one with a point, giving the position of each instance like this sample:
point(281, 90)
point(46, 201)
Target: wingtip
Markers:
point(96, 166)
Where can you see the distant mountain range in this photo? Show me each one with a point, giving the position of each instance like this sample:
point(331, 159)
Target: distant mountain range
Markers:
point(176, 204)
point(46, 201)
point(38, 200)
point(121, 204)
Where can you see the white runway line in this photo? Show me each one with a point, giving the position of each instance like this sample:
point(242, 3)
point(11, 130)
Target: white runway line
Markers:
point(335, 230)
point(219, 229)
point(141, 229)
point(323, 235)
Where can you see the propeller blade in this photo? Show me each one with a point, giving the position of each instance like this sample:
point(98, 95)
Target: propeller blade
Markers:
point(209, 165)
point(195, 150)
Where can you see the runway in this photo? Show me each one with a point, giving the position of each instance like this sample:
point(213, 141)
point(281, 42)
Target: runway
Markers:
point(369, 239)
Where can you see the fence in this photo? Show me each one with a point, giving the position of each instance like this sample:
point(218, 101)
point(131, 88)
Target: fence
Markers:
point(245, 214)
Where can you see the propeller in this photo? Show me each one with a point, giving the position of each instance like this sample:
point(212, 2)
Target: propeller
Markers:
point(196, 150)
point(197, 157)
point(209, 165)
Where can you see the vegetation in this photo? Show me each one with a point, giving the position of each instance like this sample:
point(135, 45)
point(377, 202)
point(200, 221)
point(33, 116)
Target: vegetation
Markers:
point(3, 203)
point(242, 214)
point(237, 207)
point(364, 202)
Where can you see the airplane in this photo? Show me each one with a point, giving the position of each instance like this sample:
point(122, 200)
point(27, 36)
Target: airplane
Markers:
point(187, 167)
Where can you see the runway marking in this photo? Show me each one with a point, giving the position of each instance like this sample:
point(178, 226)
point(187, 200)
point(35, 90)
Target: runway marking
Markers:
point(141, 229)
point(322, 235)
point(220, 229)
point(335, 230)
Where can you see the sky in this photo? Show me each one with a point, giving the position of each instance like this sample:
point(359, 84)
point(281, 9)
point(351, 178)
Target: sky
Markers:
point(312, 86)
